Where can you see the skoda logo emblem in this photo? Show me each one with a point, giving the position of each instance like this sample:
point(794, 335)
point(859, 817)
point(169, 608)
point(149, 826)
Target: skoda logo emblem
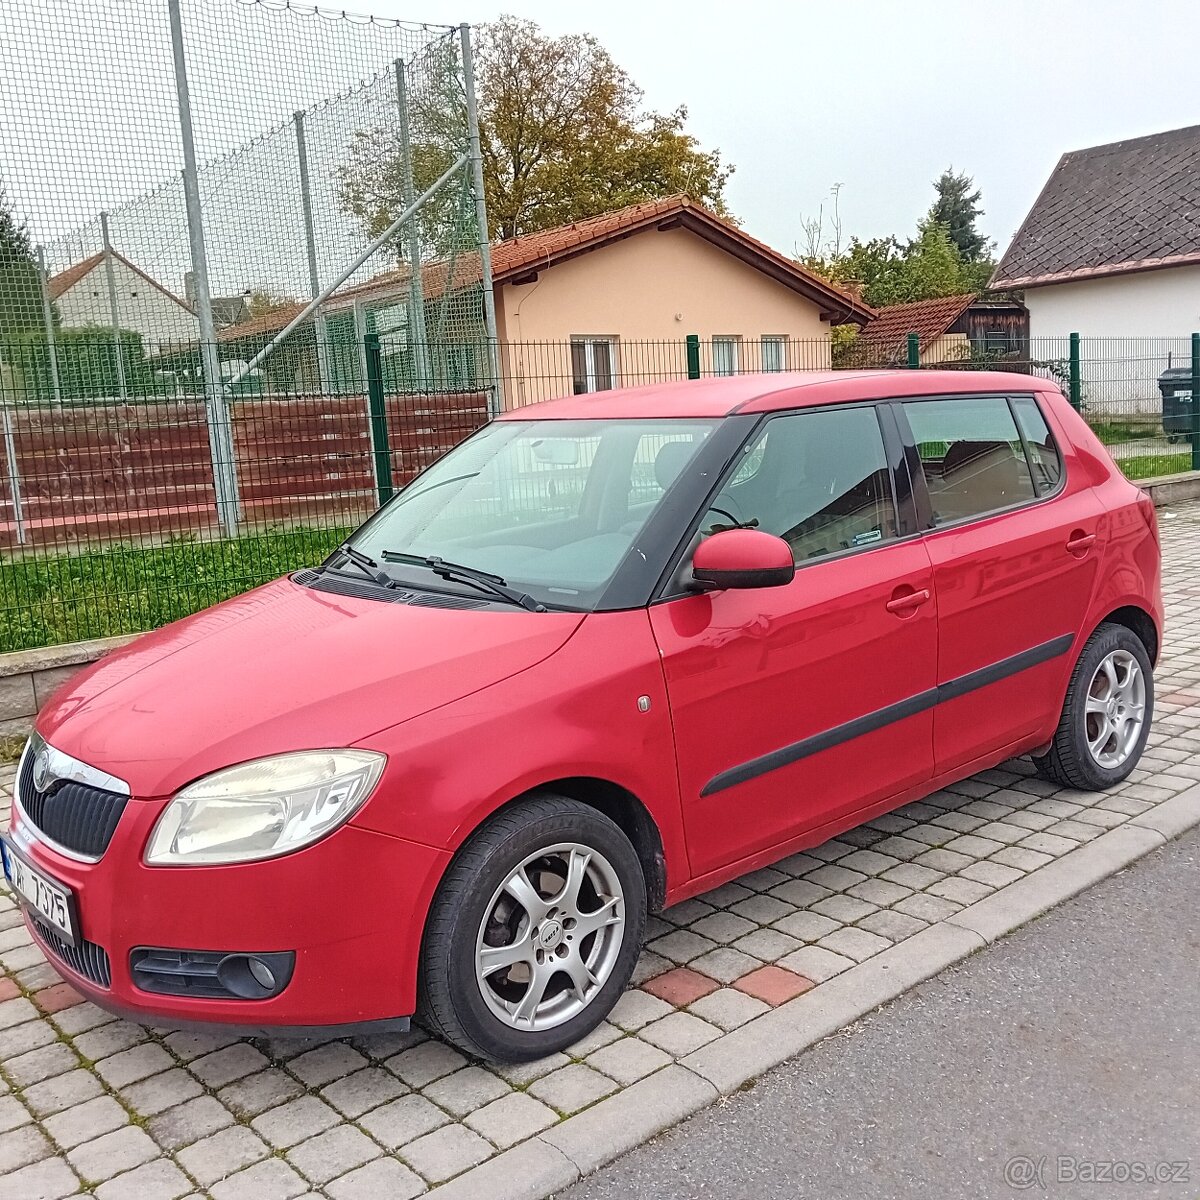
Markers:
point(41, 770)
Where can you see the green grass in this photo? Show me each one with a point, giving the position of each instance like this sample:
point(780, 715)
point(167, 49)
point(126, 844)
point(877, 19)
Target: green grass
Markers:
point(1113, 432)
point(127, 589)
point(1146, 466)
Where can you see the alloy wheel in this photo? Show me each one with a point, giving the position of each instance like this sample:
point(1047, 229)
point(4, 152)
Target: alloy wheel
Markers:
point(550, 937)
point(1115, 710)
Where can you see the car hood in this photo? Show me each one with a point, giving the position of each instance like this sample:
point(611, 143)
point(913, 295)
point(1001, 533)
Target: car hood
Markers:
point(283, 668)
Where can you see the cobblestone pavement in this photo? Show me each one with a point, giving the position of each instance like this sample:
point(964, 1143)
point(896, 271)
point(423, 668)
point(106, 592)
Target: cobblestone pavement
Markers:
point(92, 1104)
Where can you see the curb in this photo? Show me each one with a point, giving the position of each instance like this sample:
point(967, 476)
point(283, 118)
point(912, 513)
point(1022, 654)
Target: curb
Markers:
point(591, 1139)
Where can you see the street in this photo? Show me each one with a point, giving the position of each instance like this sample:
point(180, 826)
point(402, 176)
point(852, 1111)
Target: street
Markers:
point(1074, 1040)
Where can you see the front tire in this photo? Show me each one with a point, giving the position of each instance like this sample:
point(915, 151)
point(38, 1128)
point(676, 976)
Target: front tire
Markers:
point(534, 932)
point(1106, 718)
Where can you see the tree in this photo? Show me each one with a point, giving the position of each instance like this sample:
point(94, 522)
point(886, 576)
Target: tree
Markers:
point(933, 265)
point(263, 301)
point(20, 282)
point(957, 208)
point(563, 137)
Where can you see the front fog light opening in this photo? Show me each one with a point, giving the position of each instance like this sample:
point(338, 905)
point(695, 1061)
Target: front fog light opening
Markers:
point(211, 974)
point(250, 976)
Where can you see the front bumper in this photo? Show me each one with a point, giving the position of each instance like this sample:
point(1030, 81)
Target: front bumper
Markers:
point(351, 908)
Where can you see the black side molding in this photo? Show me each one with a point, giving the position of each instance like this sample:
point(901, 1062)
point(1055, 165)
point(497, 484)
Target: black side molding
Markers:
point(908, 707)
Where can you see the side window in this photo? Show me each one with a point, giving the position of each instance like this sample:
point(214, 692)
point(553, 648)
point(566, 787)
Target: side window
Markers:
point(1043, 452)
point(820, 481)
point(972, 455)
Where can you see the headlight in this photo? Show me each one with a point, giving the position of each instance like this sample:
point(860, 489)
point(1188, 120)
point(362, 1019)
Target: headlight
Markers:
point(263, 809)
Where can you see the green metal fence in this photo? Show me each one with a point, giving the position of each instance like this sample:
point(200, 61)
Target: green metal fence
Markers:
point(108, 515)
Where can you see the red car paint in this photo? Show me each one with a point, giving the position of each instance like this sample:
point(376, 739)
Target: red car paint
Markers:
point(660, 702)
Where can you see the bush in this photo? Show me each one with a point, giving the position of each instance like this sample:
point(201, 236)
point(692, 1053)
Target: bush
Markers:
point(87, 364)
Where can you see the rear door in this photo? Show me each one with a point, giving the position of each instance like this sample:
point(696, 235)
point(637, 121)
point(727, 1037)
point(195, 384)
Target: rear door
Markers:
point(795, 705)
point(1013, 542)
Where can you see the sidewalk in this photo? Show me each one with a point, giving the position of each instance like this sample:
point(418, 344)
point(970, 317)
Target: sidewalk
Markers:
point(1065, 1053)
point(730, 985)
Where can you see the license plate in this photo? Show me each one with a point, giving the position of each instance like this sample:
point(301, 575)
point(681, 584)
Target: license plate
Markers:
point(53, 902)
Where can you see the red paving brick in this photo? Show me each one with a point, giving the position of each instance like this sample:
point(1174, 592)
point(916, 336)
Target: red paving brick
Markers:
point(681, 986)
point(55, 999)
point(8, 990)
point(774, 985)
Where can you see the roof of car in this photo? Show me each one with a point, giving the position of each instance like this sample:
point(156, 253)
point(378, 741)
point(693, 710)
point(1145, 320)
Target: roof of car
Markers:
point(765, 393)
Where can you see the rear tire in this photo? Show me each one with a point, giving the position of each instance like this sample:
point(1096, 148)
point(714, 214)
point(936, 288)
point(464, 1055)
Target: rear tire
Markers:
point(534, 932)
point(1106, 717)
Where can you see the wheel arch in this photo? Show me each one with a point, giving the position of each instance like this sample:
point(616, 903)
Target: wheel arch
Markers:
point(621, 806)
point(1139, 622)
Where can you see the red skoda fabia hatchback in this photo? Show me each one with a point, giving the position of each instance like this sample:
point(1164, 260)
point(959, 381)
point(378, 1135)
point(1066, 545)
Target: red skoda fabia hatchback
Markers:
point(608, 653)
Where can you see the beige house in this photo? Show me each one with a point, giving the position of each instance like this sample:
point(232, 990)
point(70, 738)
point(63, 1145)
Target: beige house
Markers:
point(81, 296)
point(619, 293)
point(602, 303)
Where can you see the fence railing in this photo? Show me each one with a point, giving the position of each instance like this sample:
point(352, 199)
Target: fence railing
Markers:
point(109, 520)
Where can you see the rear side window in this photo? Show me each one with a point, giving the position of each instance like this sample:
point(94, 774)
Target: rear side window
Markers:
point(972, 456)
point(1043, 452)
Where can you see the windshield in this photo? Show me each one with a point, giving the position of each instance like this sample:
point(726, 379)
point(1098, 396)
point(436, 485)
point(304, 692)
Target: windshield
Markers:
point(551, 507)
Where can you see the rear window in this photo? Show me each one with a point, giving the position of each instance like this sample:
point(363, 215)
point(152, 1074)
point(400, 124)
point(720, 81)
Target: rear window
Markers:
point(972, 456)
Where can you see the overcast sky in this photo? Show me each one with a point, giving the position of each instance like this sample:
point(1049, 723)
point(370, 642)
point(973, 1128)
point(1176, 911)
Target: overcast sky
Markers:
point(881, 95)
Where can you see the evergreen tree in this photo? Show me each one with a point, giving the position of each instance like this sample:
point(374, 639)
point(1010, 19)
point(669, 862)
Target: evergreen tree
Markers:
point(20, 287)
point(957, 208)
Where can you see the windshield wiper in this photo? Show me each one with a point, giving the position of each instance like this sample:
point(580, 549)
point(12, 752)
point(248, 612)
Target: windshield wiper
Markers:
point(367, 565)
point(485, 581)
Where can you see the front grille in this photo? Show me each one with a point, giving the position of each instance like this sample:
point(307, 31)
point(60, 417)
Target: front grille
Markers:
point(85, 958)
point(76, 816)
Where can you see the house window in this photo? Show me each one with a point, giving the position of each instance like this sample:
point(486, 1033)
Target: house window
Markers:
point(592, 364)
point(773, 352)
point(997, 341)
point(725, 354)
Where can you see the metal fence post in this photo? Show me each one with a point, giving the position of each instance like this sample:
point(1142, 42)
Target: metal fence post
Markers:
point(693, 356)
point(14, 476)
point(1195, 402)
point(379, 430)
point(48, 319)
point(314, 272)
point(220, 431)
point(496, 391)
point(418, 338)
point(914, 351)
point(114, 317)
point(1075, 395)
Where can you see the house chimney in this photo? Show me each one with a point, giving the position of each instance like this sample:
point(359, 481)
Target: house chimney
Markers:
point(189, 287)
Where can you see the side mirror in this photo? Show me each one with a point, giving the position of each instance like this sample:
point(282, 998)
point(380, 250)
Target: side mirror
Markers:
point(743, 558)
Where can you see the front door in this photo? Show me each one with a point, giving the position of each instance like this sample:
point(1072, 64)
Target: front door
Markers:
point(796, 705)
point(1015, 547)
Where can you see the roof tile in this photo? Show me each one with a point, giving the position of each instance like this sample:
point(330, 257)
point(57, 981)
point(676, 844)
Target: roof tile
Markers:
point(886, 337)
point(1126, 206)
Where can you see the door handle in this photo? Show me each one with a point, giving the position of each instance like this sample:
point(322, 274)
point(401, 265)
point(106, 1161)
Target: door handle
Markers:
point(908, 600)
point(1079, 541)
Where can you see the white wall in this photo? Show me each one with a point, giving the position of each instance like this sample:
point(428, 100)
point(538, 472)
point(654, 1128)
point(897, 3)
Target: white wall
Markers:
point(141, 307)
point(1144, 304)
point(1132, 326)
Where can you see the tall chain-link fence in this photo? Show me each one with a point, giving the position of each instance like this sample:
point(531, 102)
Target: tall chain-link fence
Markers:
point(209, 200)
